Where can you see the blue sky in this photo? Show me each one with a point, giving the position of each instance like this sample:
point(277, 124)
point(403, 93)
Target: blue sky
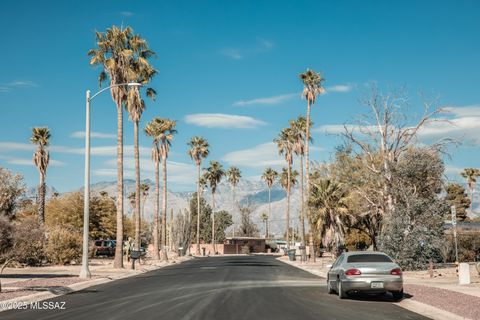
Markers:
point(228, 70)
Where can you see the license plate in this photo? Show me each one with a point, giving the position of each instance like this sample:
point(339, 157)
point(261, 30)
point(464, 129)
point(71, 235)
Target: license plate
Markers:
point(376, 285)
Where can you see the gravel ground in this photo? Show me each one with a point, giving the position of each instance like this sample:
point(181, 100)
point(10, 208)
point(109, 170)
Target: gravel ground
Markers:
point(458, 303)
point(27, 287)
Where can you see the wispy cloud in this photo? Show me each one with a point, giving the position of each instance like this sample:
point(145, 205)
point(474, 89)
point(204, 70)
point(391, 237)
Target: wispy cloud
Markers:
point(17, 84)
point(340, 88)
point(221, 120)
point(28, 162)
point(236, 53)
point(460, 123)
point(262, 155)
point(110, 150)
point(267, 101)
point(93, 134)
point(127, 13)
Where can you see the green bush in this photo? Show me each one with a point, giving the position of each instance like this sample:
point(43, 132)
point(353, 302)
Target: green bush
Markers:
point(63, 246)
point(6, 236)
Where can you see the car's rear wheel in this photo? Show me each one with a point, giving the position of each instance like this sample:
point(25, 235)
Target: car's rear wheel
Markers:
point(397, 295)
point(341, 293)
point(329, 286)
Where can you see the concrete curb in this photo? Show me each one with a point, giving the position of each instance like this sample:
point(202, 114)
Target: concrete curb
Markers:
point(36, 297)
point(412, 305)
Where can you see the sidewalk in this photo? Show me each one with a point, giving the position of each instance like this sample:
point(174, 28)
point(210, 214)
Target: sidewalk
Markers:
point(440, 297)
point(39, 283)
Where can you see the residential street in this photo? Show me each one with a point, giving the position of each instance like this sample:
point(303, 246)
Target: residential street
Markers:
point(243, 287)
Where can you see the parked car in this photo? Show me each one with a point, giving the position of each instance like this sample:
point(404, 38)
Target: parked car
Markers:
point(105, 248)
point(365, 272)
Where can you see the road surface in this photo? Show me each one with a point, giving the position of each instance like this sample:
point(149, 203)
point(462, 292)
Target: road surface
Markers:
point(240, 287)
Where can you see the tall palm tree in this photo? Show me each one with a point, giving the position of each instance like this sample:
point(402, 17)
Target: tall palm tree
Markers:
point(142, 72)
point(121, 54)
point(287, 183)
point(198, 151)
point(471, 175)
point(41, 157)
point(312, 87)
point(269, 176)
point(286, 143)
point(214, 174)
point(152, 130)
point(328, 200)
point(233, 175)
point(298, 131)
point(167, 130)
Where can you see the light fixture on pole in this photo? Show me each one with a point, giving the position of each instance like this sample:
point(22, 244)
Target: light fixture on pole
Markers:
point(84, 271)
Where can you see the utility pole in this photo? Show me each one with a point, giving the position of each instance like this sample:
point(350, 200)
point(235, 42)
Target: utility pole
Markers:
point(454, 227)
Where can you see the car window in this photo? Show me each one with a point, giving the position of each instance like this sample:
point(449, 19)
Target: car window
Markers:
point(338, 261)
point(368, 258)
point(98, 243)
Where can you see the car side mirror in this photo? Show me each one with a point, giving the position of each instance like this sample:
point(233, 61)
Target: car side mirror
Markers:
point(329, 266)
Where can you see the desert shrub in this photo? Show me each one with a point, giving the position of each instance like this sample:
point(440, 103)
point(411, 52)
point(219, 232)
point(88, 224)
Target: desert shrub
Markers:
point(6, 235)
point(28, 242)
point(63, 246)
point(246, 249)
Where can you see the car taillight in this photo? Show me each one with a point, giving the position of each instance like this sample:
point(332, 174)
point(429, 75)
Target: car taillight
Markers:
point(353, 272)
point(396, 272)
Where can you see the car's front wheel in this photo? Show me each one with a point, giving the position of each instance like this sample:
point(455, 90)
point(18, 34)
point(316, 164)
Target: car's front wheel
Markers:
point(397, 295)
point(341, 293)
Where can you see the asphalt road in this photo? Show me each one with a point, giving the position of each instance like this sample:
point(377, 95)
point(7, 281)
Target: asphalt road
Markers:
point(243, 287)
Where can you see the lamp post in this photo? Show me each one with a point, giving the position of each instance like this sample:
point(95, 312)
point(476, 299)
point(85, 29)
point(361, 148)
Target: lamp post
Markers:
point(84, 271)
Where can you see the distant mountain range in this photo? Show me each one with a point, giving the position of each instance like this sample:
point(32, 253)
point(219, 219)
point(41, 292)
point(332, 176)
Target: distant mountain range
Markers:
point(248, 193)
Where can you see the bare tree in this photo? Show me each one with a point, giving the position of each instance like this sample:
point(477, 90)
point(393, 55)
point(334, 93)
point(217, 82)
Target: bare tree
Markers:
point(182, 231)
point(384, 134)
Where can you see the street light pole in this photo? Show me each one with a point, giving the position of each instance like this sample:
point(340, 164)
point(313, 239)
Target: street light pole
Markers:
point(84, 271)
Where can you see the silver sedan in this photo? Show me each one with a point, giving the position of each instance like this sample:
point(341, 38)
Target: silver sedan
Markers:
point(365, 271)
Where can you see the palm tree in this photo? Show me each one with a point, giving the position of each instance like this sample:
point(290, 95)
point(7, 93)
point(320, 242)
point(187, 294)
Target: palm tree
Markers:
point(312, 86)
point(298, 131)
point(264, 217)
point(167, 130)
point(285, 144)
point(41, 157)
point(121, 55)
point(198, 151)
point(142, 73)
point(152, 130)
point(269, 176)
point(328, 199)
point(214, 174)
point(233, 176)
point(287, 180)
point(470, 175)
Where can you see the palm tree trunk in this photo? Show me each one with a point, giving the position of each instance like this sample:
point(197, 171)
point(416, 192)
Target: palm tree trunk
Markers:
point(164, 221)
point(198, 211)
point(41, 199)
point(287, 214)
point(302, 209)
point(137, 186)
point(213, 223)
point(156, 256)
point(307, 175)
point(118, 262)
point(269, 210)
